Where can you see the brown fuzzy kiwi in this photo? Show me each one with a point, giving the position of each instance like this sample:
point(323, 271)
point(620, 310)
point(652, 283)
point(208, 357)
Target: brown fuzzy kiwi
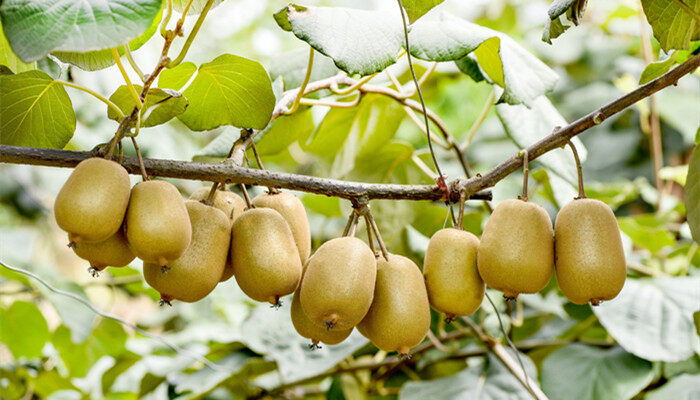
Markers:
point(265, 259)
point(196, 273)
point(451, 275)
point(232, 205)
point(399, 317)
point(158, 227)
point(338, 285)
point(589, 259)
point(309, 330)
point(292, 209)
point(516, 254)
point(91, 204)
point(113, 252)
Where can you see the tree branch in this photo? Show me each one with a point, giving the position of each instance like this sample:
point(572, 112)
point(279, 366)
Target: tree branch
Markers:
point(225, 173)
point(562, 135)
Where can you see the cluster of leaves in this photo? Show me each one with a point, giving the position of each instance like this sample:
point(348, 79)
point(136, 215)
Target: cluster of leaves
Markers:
point(643, 344)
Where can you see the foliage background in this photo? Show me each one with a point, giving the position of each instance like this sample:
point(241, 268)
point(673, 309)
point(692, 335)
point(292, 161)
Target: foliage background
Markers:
point(641, 345)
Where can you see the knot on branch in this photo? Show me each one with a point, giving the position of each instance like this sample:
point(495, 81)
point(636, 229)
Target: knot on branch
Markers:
point(442, 186)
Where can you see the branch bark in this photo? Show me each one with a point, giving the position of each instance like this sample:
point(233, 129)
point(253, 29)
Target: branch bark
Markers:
point(224, 173)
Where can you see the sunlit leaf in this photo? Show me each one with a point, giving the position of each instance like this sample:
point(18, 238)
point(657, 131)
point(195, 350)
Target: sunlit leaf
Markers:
point(417, 8)
point(35, 28)
point(23, 329)
point(675, 23)
point(8, 57)
point(35, 111)
point(692, 194)
point(160, 106)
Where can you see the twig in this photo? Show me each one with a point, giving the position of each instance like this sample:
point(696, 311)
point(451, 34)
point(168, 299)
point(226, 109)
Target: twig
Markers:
point(131, 87)
point(144, 175)
point(307, 77)
point(132, 62)
point(103, 314)
point(479, 120)
point(193, 33)
point(246, 197)
point(526, 171)
point(229, 173)
point(98, 96)
point(579, 170)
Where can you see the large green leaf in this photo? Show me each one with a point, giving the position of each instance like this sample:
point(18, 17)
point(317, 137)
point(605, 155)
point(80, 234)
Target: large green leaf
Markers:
point(485, 381)
point(676, 23)
point(692, 194)
point(359, 41)
point(527, 125)
point(417, 8)
point(23, 329)
point(108, 338)
point(270, 332)
point(653, 318)
point(160, 106)
point(582, 372)
point(647, 232)
point(35, 111)
point(99, 59)
point(8, 57)
point(684, 387)
point(230, 90)
point(348, 133)
point(448, 38)
point(36, 27)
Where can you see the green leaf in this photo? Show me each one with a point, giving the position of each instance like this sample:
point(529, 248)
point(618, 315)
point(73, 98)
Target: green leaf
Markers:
point(470, 67)
point(485, 381)
point(448, 38)
point(100, 59)
point(348, 133)
point(23, 329)
point(692, 194)
point(8, 57)
point(417, 8)
point(323, 205)
point(377, 166)
point(74, 315)
point(553, 28)
point(230, 90)
point(648, 312)
point(284, 131)
point(582, 372)
point(359, 41)
point(684, 387)
point(177, 77)
point(35, 28)
point(676, 23)
point(526, 126)
point(271, 333)
point(656, 69)
point(161, 105)
point(196, 7)
point(647, 232)
point(35, 111)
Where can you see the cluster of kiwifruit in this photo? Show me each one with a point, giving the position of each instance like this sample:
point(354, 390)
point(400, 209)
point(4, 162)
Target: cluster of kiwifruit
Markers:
point(188, 247)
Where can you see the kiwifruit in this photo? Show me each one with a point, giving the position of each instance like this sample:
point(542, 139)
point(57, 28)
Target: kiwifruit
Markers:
point(157, 225)
point(292, 209)
point(338, 284)
point(113, 252)
point(232, 205)
point(451, 275)
point(399, 317)
point(92, 202)
point(516, 254)
point(589, 259)
point(265, 259)
point(196, 273)
point(309, 330)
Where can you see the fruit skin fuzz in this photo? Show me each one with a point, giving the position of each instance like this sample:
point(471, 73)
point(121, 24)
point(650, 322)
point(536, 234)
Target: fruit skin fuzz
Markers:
point(158, 226)
point(338, 284)
point(197, 272)
point(91, 204)
point(292, 209)
point(589, 258)
point(516, 254)
point(399, 317)
point(451, 275)
point(265, 259)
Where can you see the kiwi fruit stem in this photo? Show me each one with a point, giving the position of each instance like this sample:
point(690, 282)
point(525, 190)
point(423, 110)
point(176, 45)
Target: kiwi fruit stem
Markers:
point(579, 170)
point(212, 193)
point(526, 169)
point(246, 197)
